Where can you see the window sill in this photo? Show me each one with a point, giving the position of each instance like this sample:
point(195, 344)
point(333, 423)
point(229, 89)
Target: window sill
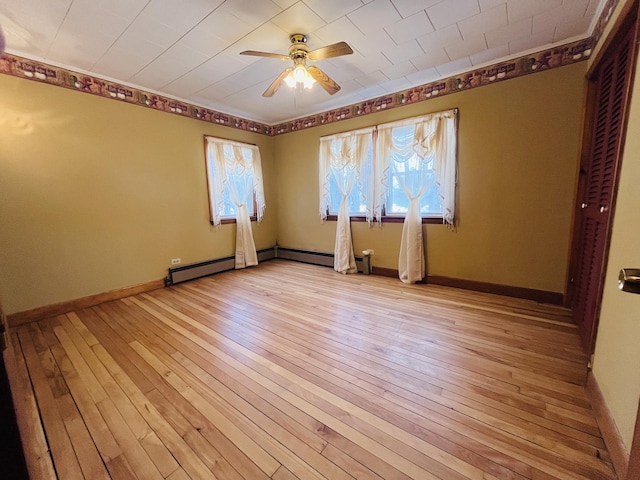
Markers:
point(392, 219)
point(226, 221)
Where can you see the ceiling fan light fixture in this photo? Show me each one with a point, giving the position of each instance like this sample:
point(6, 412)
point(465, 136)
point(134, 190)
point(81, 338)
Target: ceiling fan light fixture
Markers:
point(299, 76)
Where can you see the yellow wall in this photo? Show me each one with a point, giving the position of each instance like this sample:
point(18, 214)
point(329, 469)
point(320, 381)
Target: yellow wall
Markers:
point(617, 354)
point(97, 195)
point(518, 154)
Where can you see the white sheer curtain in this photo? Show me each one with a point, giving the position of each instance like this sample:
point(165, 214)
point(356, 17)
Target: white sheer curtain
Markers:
point(237, 168)
point(346, 157)
point(422, 145)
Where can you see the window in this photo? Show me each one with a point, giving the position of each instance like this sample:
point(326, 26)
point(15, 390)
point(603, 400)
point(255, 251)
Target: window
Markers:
point(384, 169)
point(409, 174)
point(346, 173)
point(238, 179)
point(234, 177)
point(338, 181)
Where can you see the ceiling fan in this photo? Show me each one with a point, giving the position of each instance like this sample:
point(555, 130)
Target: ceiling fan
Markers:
point(300, 73)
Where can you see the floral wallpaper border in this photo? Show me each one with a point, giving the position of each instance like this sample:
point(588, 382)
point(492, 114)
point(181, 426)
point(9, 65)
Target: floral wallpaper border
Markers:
point(537, 62)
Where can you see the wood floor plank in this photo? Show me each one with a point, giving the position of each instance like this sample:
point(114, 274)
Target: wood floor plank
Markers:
point(291, 371)
point(64, 458)
point(37, 453)
point(224, 459)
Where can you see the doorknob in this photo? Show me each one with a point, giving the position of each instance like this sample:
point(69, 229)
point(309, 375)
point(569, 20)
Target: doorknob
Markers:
point(629, 280)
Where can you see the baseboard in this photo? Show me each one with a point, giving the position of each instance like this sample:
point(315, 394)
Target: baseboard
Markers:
point(385, 272)
point(610, 434)
point(47, 311)
point(318, 258)
point(541, 296)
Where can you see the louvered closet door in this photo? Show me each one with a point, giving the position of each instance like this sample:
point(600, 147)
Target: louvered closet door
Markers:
point(613, 80)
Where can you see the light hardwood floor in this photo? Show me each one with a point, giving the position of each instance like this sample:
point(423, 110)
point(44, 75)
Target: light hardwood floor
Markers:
point(289, 371)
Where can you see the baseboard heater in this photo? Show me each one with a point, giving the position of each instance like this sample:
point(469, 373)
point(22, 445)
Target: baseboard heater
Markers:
point(192, 271)
point(319, 258)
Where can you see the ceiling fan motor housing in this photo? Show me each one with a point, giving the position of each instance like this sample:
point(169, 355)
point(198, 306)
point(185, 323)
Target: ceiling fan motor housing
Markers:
point(298, 48)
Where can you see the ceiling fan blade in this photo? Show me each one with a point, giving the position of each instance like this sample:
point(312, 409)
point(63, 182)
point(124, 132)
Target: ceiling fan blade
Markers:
point(273, 88)
point(335, 50)
point(265, 54)
point(323, 79)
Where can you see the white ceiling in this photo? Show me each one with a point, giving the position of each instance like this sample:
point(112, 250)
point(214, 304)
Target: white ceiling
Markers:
point(189, 49)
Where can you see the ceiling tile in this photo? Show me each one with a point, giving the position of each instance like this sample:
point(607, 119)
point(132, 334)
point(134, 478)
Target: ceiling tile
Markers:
point(399, 70)
point(566, 31)
point(489, 4)
point(533, 42)
point(371, 79)
point(449, 12)
point(483, 22)
point(203, 40)
point(181, 16)
point(331, 10)
point(592, 9)
point(570, 12)
point(396, 85)
point(342, 70)
point(266, 38)
point(423, 76)
point(340, 30)
point(121, 63)
point(508, 33)
point(489, 55)
point(374, 43)
point(173, 63)
point(68, 49)
point(127, 9)
point(367, 93)
point(370, 17)
point(409, 7)
point(466, 47)
point(284, 3)
point(522, 9)
point(403, 52)
point(434, 56)
point(366, 63)
point(440, 38)
point(93, 21)
point(201, 77)
point(251, 12)
point(224, 26)
point(149, 30)
point(455, 67)
point(298, 19)
point(29, 27)
point(409, 28)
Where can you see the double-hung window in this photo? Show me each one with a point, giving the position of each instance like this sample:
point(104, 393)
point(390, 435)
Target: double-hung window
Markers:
point(416, 166)
point(382, 168)
point(234, 177)
point(346, 174)
point(407, 174)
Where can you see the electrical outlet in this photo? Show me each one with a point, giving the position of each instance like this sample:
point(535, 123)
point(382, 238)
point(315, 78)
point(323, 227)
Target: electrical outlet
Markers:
point(175, 261)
